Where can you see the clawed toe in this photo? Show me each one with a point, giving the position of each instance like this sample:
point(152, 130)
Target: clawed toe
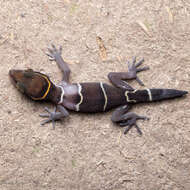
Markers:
point(45, 121)
point(139, 63)
point(51, 57)
point(127, 129)
point(133, 69)
point(53, 52)
point(60, 49)
point(44, 115)
point(50, 115)
point(131, 121)
point(57, 114)
point(143, 118)
point(130, 126)
point(139, 81)
point(138, 129)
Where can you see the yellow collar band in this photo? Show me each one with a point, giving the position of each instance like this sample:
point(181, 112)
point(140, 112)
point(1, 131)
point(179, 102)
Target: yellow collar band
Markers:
point(47, 91)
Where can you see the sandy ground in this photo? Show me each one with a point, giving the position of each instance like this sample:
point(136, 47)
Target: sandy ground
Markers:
point(88, 151)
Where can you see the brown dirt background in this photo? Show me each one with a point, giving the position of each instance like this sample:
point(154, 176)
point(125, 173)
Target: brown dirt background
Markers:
point(88, 151)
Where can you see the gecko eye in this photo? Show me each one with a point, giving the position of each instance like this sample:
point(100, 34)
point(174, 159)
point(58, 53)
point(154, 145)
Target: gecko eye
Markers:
point(30, 70)
point(29, 73)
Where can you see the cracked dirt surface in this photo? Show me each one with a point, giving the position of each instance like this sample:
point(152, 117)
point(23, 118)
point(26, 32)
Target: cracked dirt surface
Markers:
point(88, 151)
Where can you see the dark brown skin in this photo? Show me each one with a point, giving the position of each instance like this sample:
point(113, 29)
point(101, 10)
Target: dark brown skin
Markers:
point(35, 85)
point(89, 97)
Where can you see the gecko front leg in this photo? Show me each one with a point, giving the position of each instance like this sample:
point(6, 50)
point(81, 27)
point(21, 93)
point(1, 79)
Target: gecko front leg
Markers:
point(55, 55)
point(55, 115)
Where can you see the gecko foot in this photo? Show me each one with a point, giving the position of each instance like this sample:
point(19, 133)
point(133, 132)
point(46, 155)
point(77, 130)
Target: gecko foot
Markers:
point(52, 116)
point(54, 53)
point(130, 121)
point(133, 69)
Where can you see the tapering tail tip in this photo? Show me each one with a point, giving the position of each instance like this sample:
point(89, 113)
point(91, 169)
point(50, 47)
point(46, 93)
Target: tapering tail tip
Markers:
point(184, 92)
point(172, 93)
point(161, 94)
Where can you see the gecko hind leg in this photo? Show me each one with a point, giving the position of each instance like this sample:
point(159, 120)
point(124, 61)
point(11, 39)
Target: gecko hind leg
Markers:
point(118, 78)
point(131, 121)
point(121, 117)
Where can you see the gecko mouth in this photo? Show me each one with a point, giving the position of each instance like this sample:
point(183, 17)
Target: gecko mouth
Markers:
point(16, 79)
point(13, 80)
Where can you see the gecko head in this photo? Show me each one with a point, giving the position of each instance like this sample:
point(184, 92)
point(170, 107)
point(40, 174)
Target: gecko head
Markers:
point(33, 84)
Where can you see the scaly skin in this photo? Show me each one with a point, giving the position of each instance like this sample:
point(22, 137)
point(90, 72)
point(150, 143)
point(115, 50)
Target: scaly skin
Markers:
point(89, 97)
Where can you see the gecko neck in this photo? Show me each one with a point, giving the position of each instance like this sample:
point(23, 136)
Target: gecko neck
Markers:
point(56, 94)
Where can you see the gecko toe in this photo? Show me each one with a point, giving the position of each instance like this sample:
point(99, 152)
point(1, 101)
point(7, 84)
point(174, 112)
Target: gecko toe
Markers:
point(44, 115)
point(139, 63)
point(45, 121)
point(60, 49)
point(139, 81)
point(138, 129)
point(127, 129)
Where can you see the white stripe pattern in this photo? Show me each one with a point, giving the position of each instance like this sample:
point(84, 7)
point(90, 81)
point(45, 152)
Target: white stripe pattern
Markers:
point(105, 96)
point(81, 97)
point(149, 94)
point(62, 94)
point(127, 97)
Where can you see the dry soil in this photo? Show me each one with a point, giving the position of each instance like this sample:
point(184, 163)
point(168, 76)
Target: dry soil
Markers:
point(88, 151)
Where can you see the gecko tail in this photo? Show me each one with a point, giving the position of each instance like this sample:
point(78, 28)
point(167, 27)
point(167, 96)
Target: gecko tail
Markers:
point(163, 94)
point(151, 95)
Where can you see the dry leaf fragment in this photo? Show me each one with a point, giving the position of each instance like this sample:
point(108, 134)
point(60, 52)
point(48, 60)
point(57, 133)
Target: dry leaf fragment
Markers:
point(119, 59)
point(73, 8)
point(144, 26)
point(119, 137)
point(170, 15)
point(48, 12)
point(12, 36)
point(67, 1)
point(102, 48)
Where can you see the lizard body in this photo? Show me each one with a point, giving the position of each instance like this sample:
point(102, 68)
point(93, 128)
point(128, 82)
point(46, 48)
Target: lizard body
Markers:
point(90, 97)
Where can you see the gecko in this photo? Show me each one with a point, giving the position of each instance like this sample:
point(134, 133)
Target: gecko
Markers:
point(90, 97)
